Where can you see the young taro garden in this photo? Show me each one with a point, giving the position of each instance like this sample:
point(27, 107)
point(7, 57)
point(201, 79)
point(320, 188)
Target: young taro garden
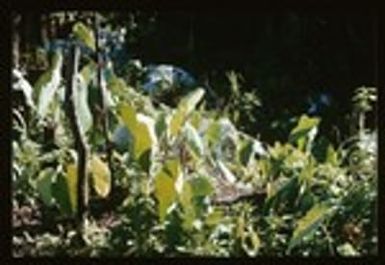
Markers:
point(177, 135)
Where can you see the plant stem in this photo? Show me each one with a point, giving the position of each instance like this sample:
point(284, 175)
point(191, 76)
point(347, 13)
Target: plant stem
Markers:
point(80, 140)
point(102, 95)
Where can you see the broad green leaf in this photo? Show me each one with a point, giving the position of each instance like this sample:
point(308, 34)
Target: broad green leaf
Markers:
point(185, 107)
point(194, 140)
point(48, 84)
point(142, 128)
point(61, 194)
point(144, 135)
point(332, 156)
point(185, 199)
point(81, 105)
point(189, 102)
point(88, 72)
point(44, 185)
point(201, 186)
point(304, 131)
point(195, 119)
point(128, 115)
point(308, 224)
point(213, 133)
point(84, 34)
point(176, 122)
point(72, 180)
point(215, 218)
point(165, 190)
point(101, 176)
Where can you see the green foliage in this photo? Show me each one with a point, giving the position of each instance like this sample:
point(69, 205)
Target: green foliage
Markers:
point(84, 34)
point(188, 180)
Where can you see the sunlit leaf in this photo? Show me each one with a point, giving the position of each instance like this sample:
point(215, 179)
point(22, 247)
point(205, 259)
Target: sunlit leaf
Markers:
point(101, 176)
point(47, 85)
point(308, 224)
point(144, 135)
point(81, 105)
point(201, 186)
point(84, 34)
point(189, 102)
point(185, 198)
point(128, 115)
point(142, 128)
point(72, 180)
point(165, 190)
point(304, 131)
point(185, 107)
point(176, 122)
point(194, 140)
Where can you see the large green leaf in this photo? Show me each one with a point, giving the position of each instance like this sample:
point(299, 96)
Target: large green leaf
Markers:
point(304, 132)
point(128, 115)
point(61, 194)
point(165, 190)
point(177, 119)
point(145, 138)
point(201, 186)
point(185, 108)
point(185, 199)
point(194, 140)
point(213, 133)
point(308, 224)
point(84, 34)
point(44, 185)
point(101, 176)
point(48, 84)
point(142, 129)
point(189, 102)
point(81, 104)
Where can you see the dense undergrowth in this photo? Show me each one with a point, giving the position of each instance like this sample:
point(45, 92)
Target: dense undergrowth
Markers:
point(182, 179)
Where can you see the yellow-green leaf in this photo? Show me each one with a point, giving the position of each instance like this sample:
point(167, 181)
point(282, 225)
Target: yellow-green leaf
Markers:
point(128, 115)
point(309, 223)
point(303, 131)
point(72, 180)
point(44, 185)
point(165, 190)
point(47, 85)
point(189, 102)
point(185, 200)
point(144, 135)
point(84, 34)
point(176, 122)
point(101, 176)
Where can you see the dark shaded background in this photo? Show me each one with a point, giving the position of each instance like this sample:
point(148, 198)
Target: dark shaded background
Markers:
point(287, 57)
